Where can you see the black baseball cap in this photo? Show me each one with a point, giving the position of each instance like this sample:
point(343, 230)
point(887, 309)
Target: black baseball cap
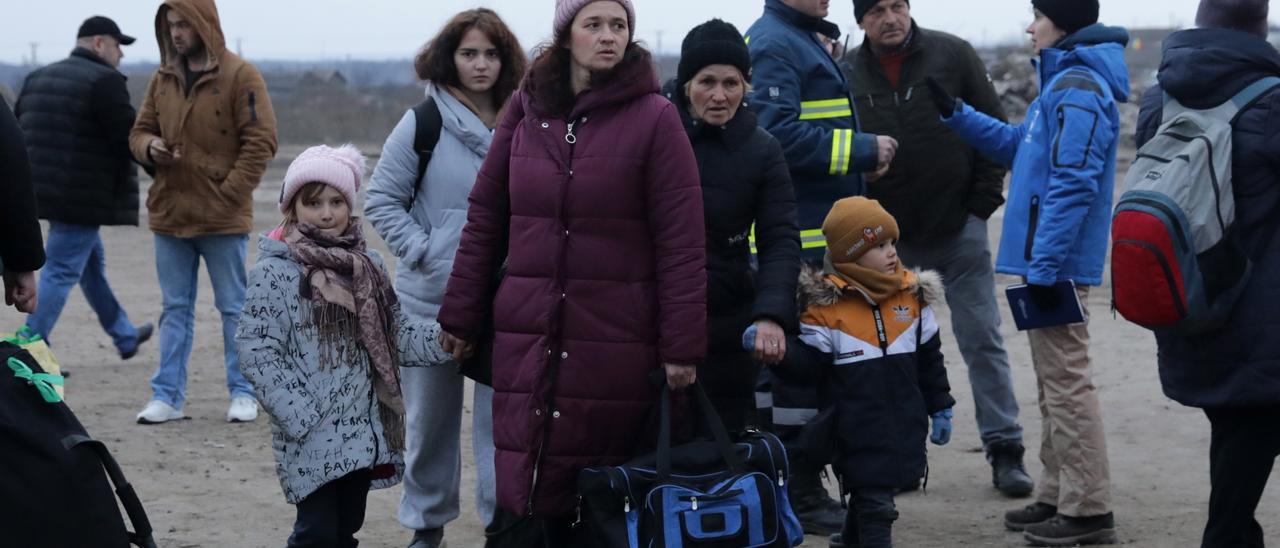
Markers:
point(99, 25)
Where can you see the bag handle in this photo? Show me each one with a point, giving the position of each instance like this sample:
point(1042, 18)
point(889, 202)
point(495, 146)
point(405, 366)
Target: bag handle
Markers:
point(718, 431)
point(142, 536)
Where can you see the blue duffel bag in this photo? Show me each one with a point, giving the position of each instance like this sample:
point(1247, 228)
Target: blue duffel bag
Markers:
point(699, 494)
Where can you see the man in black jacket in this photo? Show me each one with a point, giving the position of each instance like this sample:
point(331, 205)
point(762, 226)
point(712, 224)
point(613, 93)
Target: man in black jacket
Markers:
point(1232, 373)
point(942, 191)
point(76, 116)
point(20, 252)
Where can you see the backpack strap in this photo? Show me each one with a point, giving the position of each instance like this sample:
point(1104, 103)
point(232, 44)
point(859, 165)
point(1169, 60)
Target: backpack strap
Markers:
point(1230, 109)
point(425, 137)
point(1250, 95)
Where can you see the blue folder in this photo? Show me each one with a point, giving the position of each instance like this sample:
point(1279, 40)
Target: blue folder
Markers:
point(1026, 315)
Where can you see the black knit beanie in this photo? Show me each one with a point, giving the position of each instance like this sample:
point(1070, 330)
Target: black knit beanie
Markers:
point(1069, 15)
point(712, 43)
point(861, 7)
point(1243, 15)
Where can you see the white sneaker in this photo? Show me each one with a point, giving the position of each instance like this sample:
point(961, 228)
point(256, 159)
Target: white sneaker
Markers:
point(157, 412)
point(243, 409)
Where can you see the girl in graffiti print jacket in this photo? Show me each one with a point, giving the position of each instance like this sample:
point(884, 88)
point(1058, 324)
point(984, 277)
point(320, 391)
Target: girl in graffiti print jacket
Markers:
point(321, 339)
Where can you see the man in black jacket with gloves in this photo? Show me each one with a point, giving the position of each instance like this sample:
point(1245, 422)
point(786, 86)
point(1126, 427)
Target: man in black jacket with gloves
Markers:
point(76, 117)
point(942, 191)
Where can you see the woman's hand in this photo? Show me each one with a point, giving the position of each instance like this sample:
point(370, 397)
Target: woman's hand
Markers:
point(460, 349)
point(771, 342)
point(680, 376)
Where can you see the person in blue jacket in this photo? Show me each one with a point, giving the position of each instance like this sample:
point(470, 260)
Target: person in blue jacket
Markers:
point(1056, 228)
point(801, 97)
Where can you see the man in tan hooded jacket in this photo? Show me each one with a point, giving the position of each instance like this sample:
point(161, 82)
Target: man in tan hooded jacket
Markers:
point(206, 131)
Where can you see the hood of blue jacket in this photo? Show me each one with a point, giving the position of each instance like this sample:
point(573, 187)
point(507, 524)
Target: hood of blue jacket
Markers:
point(1098, 47)
point(1205, 67)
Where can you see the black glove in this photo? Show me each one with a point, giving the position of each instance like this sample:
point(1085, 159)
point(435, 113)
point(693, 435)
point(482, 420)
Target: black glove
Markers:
point(1044, 296)
point(944, 101)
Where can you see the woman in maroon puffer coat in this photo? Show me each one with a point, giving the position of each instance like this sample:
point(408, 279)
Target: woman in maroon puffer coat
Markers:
point(592, 176)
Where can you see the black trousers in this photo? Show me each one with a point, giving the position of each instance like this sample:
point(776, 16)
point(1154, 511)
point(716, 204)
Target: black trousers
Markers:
point(330, 517)
point(1243, 449)
point(869, 521)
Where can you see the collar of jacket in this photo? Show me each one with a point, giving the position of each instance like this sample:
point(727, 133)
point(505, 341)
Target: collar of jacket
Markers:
point(1062, 55)
point(794, 18)
point(733, 134)
point(86, 53)
point(633, 80)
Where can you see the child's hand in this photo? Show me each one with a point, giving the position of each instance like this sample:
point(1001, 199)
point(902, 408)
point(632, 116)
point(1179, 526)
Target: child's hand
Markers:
point(941, 427)
point(460, 349)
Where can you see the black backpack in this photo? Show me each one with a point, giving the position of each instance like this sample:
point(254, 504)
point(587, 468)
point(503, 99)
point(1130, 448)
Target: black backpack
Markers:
point(58, 481)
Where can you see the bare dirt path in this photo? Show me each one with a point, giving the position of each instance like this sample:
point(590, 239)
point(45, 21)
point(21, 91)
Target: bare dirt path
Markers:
point(207, 483)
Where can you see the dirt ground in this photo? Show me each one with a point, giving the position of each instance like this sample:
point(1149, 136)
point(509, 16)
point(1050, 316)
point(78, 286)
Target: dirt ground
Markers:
point(207, 483)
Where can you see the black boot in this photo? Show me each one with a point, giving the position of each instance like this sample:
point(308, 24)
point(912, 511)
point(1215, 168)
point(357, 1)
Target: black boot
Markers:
point(1031, 514)
point(1007, 472)
point(819, 514)
point(1063, 530)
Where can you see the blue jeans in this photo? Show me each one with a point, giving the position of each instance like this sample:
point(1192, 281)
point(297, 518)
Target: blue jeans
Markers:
point(178, 268)
point(75, 256)
point(964, 260)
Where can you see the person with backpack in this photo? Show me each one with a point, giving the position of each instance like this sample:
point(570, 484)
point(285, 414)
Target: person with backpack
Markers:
point(591, 193)
point(1056, 227)
point(418, 204)
point(1232, 372)
point(322, 338)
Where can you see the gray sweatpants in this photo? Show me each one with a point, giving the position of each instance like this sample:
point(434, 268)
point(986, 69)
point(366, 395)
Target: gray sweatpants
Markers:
point(964, 260)
point(433, 456)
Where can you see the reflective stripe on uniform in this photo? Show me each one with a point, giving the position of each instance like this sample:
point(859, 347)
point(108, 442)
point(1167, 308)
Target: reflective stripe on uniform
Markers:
point(810, 239)
point(787, 416)
point(829, 108)
point(764, 400)
point(841, 151)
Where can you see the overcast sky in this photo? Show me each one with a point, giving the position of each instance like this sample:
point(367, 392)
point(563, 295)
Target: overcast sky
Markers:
point(389, 29)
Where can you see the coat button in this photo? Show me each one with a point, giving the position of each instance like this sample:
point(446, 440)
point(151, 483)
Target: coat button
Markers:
point(566, 232)
point(556, 414)
point(545, 125)
point(564, 355)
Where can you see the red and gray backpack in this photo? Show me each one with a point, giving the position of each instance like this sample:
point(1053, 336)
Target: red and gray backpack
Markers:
point(1176, 262)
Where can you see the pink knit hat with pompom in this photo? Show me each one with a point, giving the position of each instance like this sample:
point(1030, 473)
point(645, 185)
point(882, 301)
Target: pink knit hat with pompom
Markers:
point(341, 168)
point(566, 10)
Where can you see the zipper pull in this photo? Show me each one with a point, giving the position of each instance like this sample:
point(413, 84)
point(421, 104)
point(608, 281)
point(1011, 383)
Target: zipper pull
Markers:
point(694, 503)
point(570, 137)
point(626, 504)
point(910, 90)
point(781, 482)
point(578, 509)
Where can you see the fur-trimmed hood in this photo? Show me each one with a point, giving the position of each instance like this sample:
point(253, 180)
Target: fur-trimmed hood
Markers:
point(817, 289)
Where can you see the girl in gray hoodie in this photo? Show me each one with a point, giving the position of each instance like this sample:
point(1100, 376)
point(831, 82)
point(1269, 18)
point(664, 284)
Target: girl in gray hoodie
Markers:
point(321, 340)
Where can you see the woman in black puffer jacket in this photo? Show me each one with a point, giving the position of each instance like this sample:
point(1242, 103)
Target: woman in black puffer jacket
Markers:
point(745, 183)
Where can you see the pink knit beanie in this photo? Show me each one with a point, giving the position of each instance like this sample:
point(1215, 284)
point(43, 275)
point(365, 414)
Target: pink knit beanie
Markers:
point(341, 168)
point(566, 10)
